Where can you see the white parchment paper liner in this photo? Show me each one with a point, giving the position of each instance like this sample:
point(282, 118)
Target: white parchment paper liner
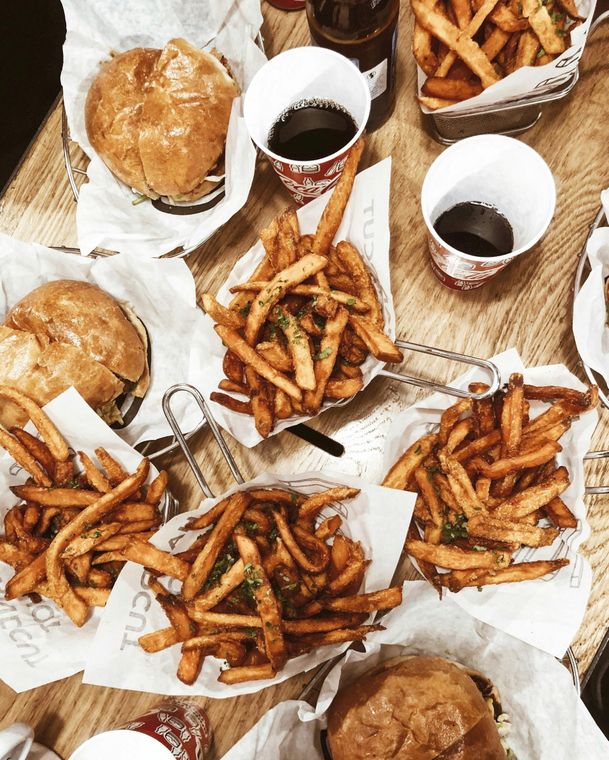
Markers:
point(39, 643)
point(547, 612)
point(161, 293)
point(365, 225)
point(377, 517)
point(590, 310)
point(106, 216)
point(549, 721)
point(528, 80)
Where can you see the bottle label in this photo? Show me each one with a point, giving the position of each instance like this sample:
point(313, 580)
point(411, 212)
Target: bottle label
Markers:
point(377, 78)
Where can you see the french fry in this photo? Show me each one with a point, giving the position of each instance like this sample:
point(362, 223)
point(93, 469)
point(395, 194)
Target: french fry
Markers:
point(247, 673)
point(509, 531)
point(234, 404)
point(249, 356)
point(262, 402)
point(422, 49)
point(37, 448)
point(266, 602)
point(523, 571)
point(401, 472)
point(23, 458)
point(559, 514)
point(51, 436)
point(299, 348)
point(276, 289)
point(503, 467)
point(222, 315)
point(190, 666)
point(450, 418)
point(116, 473)
point(452, 557)
point(96, 479)
point(461, 45)
point(528, 47)
point(158, 640)
point(528, 500)
point(157, 488)
point(155, 559)
point(326, 359)
point(56, 497)
point(307, 643)
point(353, 263)
point(312, 506)
point(375, 600)
point(382, 347)
point(335, 208)
point(307, 564)
point(90, 539)
point(204, 562)
point(452, 89)
point(461, 486)
point(542, 25)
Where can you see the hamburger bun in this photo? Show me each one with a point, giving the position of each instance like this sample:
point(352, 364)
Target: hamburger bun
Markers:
point(414, 708)
point(159, 118)
point(43, 370)
point(71, 333)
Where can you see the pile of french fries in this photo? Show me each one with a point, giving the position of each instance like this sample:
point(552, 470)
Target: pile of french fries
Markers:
point(487, 484)
point(298, 330)
point(465, 46)
point(63, 539)
point(261, 585)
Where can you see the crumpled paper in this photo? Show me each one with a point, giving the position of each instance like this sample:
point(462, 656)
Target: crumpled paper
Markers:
point(39, 643)
point(106, 216)
point(590, 310)
point(163, 296)
point(365, 225)
point(528, 81)
point(116, 658)
point(546, 612)
point(549, 721)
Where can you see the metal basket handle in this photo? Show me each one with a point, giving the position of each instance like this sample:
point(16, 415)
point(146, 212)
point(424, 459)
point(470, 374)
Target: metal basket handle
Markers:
point(183, 444)
point(443, 354)
point(596, 455)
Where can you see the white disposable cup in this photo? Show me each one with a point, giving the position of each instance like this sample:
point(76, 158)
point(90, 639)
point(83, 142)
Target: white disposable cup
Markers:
point(121, 744)
point(495, 170)
point(300, 74)
point(16, 741)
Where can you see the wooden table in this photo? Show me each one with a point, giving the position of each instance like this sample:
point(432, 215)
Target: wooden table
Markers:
point(527, 306)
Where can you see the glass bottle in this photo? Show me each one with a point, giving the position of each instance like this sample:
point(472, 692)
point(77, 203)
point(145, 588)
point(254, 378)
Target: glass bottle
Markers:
point(365, 31)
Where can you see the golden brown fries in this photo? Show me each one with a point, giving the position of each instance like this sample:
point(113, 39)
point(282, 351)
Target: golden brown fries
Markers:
point(298, 330)
point(465, 46)
point(487, 484)
point(269, 579)
point(56, 540)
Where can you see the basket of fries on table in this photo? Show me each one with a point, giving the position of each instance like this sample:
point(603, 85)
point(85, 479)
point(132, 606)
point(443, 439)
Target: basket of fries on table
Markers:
point(488, 65)
point(488, 484)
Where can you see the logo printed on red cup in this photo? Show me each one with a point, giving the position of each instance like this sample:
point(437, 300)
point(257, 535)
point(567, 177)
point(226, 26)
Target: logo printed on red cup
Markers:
point(501, 172)
point(177, 729)
point(292, 76)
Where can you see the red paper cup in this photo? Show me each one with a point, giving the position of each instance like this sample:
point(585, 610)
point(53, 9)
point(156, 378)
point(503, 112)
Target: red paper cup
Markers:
point(177, 729)
point(299, 74)
point(496, 170)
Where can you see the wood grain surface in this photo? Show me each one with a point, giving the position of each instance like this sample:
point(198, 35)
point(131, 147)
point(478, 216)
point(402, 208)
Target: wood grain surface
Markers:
point(527, 306)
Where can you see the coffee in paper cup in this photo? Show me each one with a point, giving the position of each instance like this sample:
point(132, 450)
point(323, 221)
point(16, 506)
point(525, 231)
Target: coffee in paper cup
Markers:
point(496, 171)
point(302, 74)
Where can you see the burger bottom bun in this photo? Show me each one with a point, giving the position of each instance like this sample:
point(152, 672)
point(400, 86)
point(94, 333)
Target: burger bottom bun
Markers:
point(413, 708)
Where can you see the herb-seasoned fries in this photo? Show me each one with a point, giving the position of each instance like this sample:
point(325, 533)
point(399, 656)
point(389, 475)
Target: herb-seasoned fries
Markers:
point(484, 483)
point(465, 46)
point(269, 580)
point(58, 540)
point(298, 330)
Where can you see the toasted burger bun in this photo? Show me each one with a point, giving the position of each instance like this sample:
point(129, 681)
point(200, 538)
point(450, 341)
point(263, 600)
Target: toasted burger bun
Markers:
point(413, 708)
point(82, 315)
point(43, 370)
point(159, 119)
point(113, 113)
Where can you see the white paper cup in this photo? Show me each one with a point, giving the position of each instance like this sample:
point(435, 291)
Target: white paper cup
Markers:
point(496, 170)
point(299, 74)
